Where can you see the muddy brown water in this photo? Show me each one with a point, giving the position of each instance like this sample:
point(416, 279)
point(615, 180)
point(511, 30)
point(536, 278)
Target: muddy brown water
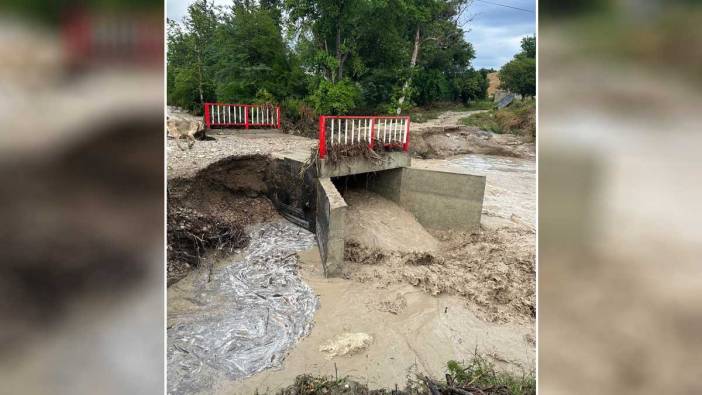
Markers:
point(243, 315)
point(218, 340)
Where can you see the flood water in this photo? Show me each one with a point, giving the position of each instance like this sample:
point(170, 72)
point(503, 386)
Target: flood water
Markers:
point(487, 164)
point(244, 315)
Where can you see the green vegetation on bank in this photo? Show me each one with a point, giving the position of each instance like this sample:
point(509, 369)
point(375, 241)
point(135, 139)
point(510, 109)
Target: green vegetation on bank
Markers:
point(478, 376)
point(323, 56)
point(517, 118)
point(481, 374)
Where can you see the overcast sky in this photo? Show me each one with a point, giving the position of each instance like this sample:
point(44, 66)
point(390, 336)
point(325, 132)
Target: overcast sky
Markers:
point(495, 31)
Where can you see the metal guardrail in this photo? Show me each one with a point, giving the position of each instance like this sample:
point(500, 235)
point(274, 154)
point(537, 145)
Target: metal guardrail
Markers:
point(246, 115)
point(387, 130)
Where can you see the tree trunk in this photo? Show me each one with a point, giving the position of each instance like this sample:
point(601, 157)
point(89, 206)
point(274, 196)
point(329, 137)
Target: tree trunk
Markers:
point(338, 50)
point(199, 82)
point(413, 62)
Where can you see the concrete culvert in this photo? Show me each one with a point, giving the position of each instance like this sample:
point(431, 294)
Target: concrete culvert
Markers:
point(378, 223)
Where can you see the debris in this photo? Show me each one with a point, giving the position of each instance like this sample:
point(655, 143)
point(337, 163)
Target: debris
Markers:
point(346, 344)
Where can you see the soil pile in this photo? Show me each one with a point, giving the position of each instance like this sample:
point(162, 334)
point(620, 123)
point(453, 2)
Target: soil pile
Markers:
point(379, 224)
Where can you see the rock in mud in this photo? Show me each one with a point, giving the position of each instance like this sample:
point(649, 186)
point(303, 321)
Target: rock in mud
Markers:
point(346, 344)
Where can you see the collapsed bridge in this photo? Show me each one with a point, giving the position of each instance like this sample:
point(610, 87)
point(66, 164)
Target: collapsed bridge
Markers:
point(369, 152)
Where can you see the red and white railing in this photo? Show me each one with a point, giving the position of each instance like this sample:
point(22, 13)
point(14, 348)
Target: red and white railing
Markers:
point(337, 130)
point(246, 115)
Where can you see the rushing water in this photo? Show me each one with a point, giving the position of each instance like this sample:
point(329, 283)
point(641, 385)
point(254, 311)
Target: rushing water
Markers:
point(244, 315)
point(488, 164)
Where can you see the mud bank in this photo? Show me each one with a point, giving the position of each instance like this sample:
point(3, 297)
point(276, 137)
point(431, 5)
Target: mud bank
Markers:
point(412, 332)
point(444, 142)
point(227, 196)
point(242, 314)
point(219, 202)
point(445, 137)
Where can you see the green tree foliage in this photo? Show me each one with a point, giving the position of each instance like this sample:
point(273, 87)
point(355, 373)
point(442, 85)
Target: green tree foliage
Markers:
point(519, 75)
point(529, 47)
point(333, 56)
point(335, 98)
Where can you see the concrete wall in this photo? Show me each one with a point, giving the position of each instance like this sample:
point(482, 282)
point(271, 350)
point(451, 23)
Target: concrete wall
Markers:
point(438, 199)
point(359, 165)
point(387, 184)
point(292, 195)
point(330, 222)
point(443, 200)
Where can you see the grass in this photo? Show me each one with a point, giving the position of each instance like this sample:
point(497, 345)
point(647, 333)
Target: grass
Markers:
point(518, 118)
point(478, 376)
point(424, 114)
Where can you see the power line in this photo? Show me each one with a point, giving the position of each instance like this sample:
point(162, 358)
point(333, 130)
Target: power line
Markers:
point(508, 6)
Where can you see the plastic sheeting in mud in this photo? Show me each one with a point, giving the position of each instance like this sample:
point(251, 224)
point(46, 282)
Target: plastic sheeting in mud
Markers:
point(243, 315)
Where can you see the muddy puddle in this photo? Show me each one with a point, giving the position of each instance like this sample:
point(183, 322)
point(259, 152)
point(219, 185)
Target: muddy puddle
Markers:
point(242, 314)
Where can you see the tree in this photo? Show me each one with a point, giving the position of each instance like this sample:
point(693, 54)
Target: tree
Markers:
point(433, 20)
point(519, 75)
point(528, 47)
point(341, 57)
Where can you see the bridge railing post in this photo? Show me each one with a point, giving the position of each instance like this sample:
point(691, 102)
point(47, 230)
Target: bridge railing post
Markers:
point(246, 116)
point(208, 120)
point(372, 133)
point(322, 137)
point(277, 115)
point(405, 146)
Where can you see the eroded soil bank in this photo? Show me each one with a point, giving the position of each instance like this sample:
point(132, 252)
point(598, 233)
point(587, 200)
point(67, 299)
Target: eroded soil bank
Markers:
point(445, 137)
point(207, 214)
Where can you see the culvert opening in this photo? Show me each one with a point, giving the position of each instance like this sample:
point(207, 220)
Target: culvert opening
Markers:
point(375, 225)
point(353, 182)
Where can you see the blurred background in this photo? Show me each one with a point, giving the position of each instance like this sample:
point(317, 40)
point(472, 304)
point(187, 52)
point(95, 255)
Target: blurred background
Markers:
point(620, 183)
point(81, 203)
point(81, 197)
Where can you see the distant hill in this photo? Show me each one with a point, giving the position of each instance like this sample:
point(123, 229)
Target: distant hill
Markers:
point(494, 83)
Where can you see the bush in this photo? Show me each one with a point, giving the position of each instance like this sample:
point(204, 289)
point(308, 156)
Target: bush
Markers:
point(481, 374)
point(518, 118)
point(264, 97)
point(335, 98)
point(298, 117)
point(519, 76)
